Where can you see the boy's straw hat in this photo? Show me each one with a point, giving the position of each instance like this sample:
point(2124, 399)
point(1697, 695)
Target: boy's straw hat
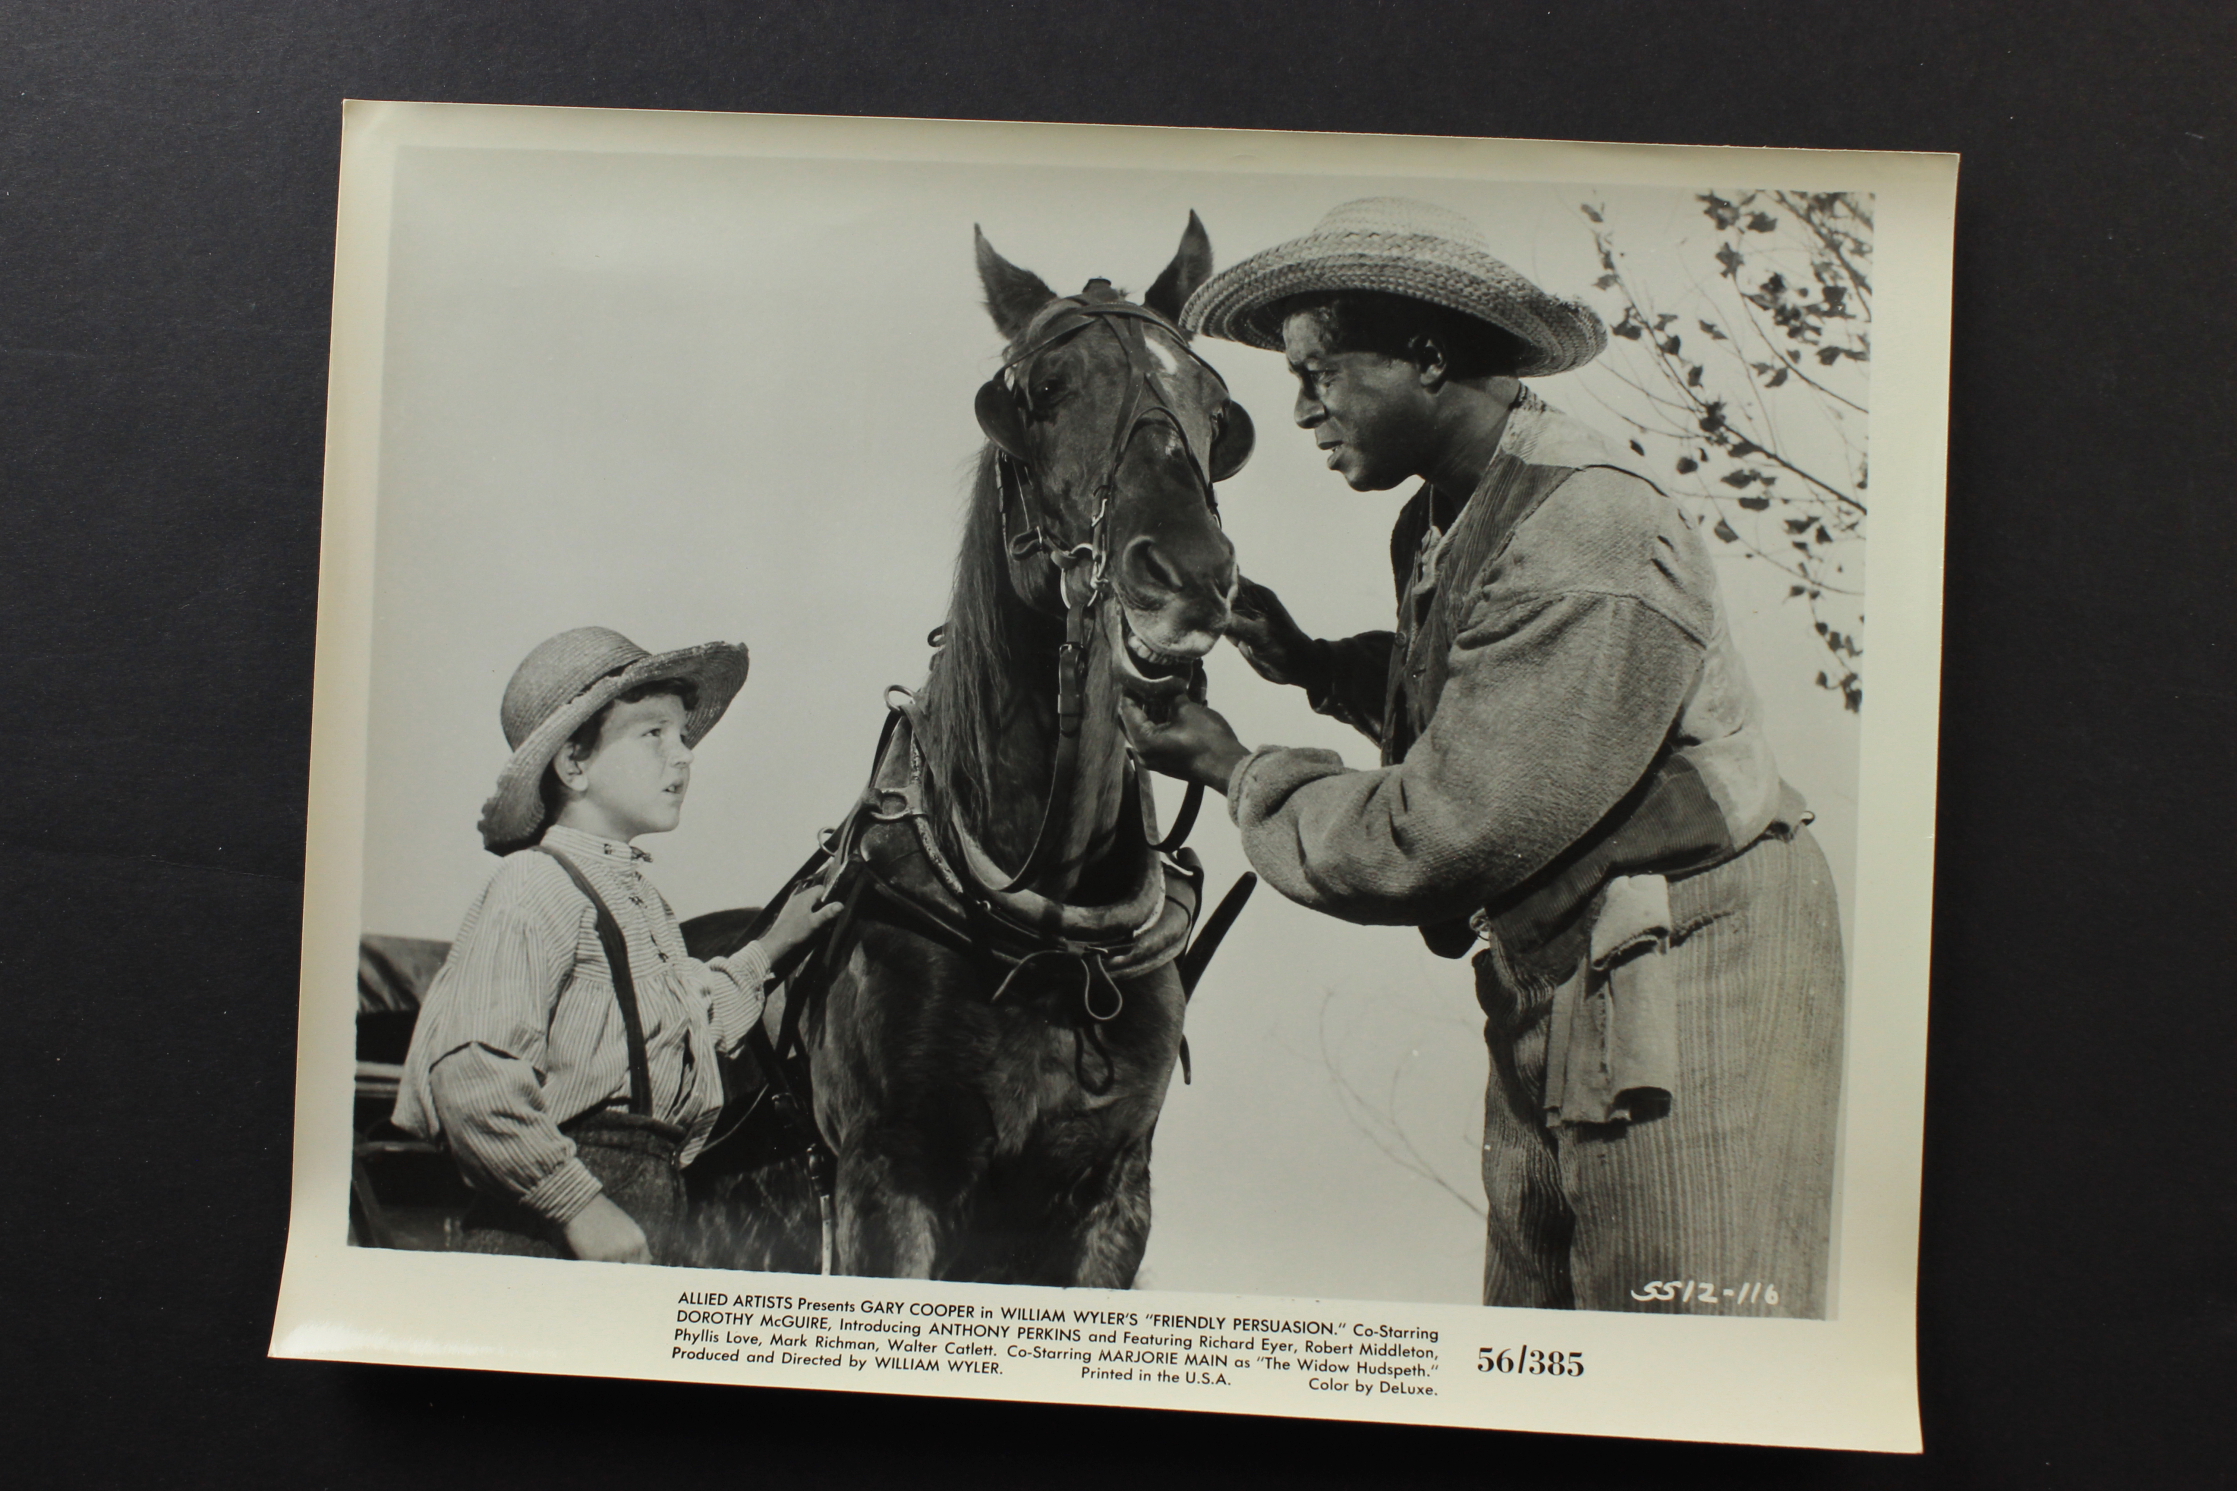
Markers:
point(567, 680)
point(1399, 247)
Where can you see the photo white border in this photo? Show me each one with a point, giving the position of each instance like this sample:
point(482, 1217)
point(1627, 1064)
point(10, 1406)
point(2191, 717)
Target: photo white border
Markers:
point(1847, 1382)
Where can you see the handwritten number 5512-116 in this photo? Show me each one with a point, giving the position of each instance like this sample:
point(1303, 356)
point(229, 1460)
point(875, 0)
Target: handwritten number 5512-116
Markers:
point(1704, 1292)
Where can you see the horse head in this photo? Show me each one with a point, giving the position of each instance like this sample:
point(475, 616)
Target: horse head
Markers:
point(1111, 432)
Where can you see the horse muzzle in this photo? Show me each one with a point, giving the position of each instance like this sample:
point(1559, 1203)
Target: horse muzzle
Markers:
point(1149, 660)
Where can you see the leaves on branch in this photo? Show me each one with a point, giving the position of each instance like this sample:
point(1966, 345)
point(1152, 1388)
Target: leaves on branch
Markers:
point(1739, 407)
point(1724, 214)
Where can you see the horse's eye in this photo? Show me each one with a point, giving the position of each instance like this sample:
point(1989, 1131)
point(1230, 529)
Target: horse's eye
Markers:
point(1046, 391)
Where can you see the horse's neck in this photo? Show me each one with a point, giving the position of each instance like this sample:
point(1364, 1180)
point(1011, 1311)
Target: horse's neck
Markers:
point(1018, 783)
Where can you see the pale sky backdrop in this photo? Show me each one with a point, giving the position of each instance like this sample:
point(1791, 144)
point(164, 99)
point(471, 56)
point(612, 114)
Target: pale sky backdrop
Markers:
point(694, 398)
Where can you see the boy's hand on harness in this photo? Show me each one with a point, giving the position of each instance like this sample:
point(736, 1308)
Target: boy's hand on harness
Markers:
point(603, 1233)
point(800, 923)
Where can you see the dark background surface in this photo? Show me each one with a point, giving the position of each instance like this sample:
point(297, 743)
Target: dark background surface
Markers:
point(167, 173)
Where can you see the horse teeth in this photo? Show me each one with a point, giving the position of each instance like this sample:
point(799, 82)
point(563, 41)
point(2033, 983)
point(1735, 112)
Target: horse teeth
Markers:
point(1151, 655)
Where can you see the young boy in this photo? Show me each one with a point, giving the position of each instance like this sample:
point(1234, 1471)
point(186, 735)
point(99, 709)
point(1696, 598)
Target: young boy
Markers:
point(566, 1053)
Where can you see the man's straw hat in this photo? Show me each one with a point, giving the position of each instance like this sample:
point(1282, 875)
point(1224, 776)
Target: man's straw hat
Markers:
point(567, 680)
point(1400, 247)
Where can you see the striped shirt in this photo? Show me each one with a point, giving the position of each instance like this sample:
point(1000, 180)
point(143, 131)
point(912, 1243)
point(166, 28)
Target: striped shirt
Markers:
point(521, 1030)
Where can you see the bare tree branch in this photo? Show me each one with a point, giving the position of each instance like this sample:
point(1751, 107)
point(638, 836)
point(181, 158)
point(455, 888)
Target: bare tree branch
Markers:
point(1383, 1130)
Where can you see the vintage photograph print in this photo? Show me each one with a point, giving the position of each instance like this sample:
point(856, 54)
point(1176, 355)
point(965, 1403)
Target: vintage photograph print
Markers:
point(1246, 772)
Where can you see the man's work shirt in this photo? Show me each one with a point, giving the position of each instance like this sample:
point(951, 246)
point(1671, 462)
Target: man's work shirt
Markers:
point(522, 1032)
point(1559, 639)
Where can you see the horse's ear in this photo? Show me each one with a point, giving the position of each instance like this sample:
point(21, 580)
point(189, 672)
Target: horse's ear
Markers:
point(1191, 266)
point(1012, 294)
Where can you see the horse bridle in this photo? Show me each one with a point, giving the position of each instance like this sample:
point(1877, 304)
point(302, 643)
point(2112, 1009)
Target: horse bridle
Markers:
point(1000, 397)
point(1054, 324)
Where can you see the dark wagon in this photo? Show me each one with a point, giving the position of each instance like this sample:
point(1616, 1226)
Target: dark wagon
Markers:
point(404, 1191)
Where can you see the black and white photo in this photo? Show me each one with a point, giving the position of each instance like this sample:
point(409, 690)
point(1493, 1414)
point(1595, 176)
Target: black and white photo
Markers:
point(1201, 770)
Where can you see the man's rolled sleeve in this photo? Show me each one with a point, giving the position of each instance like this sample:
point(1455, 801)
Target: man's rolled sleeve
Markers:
point(1554, 706)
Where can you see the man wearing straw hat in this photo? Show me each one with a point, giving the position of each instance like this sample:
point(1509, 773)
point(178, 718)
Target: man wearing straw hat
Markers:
point(1574, 782)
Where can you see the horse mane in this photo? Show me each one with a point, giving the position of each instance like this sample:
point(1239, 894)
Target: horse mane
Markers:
point(991, 652)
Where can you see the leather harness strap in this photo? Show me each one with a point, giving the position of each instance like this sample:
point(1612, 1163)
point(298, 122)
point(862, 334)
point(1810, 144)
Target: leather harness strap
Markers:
point(1056, 323)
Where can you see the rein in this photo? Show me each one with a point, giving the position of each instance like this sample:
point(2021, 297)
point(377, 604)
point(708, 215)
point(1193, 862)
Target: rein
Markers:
point(1057, 323)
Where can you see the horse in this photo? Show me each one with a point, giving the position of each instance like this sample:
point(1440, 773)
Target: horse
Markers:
point(988, 1036)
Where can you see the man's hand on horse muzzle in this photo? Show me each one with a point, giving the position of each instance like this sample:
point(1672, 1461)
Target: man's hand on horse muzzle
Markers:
point(1196, 744)
point(1271, 642)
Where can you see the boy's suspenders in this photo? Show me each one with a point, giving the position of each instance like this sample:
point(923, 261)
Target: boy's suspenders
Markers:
point(625, 987)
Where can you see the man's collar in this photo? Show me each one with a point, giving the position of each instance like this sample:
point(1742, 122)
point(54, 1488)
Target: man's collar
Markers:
point(575, 841)
point(1517, 433)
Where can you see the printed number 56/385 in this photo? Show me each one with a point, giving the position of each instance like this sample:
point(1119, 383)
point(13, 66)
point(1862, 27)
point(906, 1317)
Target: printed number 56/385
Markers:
point(1530, 1361)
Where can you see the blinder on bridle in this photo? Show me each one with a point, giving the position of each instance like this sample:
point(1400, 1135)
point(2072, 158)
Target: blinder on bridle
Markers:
point(1003, 408)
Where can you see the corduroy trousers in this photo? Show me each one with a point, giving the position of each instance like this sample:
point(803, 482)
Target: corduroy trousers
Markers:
point(1723, 1204)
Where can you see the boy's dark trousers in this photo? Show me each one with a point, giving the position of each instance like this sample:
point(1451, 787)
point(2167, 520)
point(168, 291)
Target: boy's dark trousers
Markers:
point(634, 1158)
